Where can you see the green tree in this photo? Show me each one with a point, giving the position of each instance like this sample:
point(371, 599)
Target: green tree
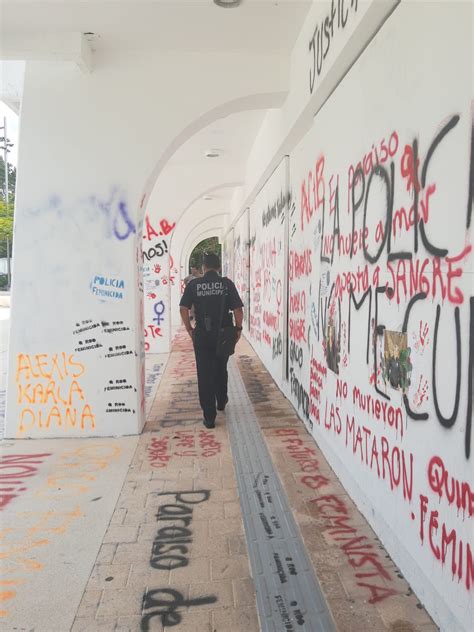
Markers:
point(207, 246)
point(6, 227)
point(11, 180)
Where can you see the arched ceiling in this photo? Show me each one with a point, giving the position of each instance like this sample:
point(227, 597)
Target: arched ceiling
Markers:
point(163, 25)
point(170, 28)
point(189, 179)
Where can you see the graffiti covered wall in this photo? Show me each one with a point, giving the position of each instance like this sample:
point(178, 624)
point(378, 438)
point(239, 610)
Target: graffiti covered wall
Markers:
point(268, 221)
point(381, 298)
point(81, 376)
point(381, 281)
point(241, 264)
point(228, 256)
point(159, 274)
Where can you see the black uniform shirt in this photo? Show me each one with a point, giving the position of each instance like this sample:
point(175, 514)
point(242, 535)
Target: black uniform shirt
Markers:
point(205, 293)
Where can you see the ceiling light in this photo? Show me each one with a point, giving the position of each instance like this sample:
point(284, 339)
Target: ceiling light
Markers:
point(227, 4)
point(212, 153)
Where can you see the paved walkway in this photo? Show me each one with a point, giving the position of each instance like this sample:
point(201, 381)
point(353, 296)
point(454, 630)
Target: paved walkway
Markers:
point(157, 539)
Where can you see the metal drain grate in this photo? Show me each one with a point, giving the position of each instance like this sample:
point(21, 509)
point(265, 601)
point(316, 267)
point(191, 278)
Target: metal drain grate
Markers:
point(289, 597)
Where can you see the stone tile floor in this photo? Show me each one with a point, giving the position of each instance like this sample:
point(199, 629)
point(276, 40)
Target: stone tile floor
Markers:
point(167, 536)
point(175, 555)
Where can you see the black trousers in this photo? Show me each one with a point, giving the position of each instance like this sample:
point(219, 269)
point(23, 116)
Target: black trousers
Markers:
point(211, 374)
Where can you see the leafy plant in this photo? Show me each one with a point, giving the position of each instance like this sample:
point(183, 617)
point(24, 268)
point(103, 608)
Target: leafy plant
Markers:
point(6, 227)
point(207, 246)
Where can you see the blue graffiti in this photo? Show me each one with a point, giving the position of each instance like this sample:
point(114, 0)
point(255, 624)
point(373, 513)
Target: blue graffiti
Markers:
point(119, 222)
point(129, 225)
point(159, 309)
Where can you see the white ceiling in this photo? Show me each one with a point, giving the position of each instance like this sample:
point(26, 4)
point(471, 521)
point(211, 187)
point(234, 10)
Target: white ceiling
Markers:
point(189, 175)
point(165, 25)
point(268, 27)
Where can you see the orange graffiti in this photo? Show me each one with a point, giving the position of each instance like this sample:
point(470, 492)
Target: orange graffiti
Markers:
point(12, 554)
point(49, 391)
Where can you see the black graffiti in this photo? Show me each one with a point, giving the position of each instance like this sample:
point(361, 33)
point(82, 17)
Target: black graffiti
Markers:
point(279, 568)
point(470, 380)
point(378, 331)
point(411, 413)
point(296, 354)
point(165, 603)
point(470, 197)
point(360, 199)
point(285, 616)
point(120, 385)
point(291, 566)
point(87, 345)
point(171, 422)
point(114, 326)
point(360, 194)
point(118, 350)
point(333, 341)
point(266, 525)
point(277, 347)
point(324, 34)
point(86, 326)
point(158, 250)
point(300, 393)
point(118, 407)
point(276, 210)
point(358, 305)
point(169, 539)
point(170, 546)
point(447, 422)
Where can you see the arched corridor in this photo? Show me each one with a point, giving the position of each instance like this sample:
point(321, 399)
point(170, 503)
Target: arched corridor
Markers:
point(329, 146)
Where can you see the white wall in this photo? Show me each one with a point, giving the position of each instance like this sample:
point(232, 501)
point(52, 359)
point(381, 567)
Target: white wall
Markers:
point(268, 262)
point(160, 273)
point(396, 427)
point(89, 149)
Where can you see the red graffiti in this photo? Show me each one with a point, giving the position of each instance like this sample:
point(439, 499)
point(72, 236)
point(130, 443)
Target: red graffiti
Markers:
point(151, 233)
point(166, 227)
point(154, 332)
point(300, 264)
point(14, 468)
point(405, 221)
point(421, 394)
point(271, 320)
point(372, 158)
point(297, 302)
point(444, 541)
point(182, 443)
point(298, 329)
point(446, 486)
point(409, 168)
point(391, 463)
point(359, 550)
point(423, 332)
point(158, 452)
point(412, 276)
point(312, 192)
point(317, 380)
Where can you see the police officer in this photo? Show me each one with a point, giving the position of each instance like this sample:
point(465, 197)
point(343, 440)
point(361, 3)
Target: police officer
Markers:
point(214, 299)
